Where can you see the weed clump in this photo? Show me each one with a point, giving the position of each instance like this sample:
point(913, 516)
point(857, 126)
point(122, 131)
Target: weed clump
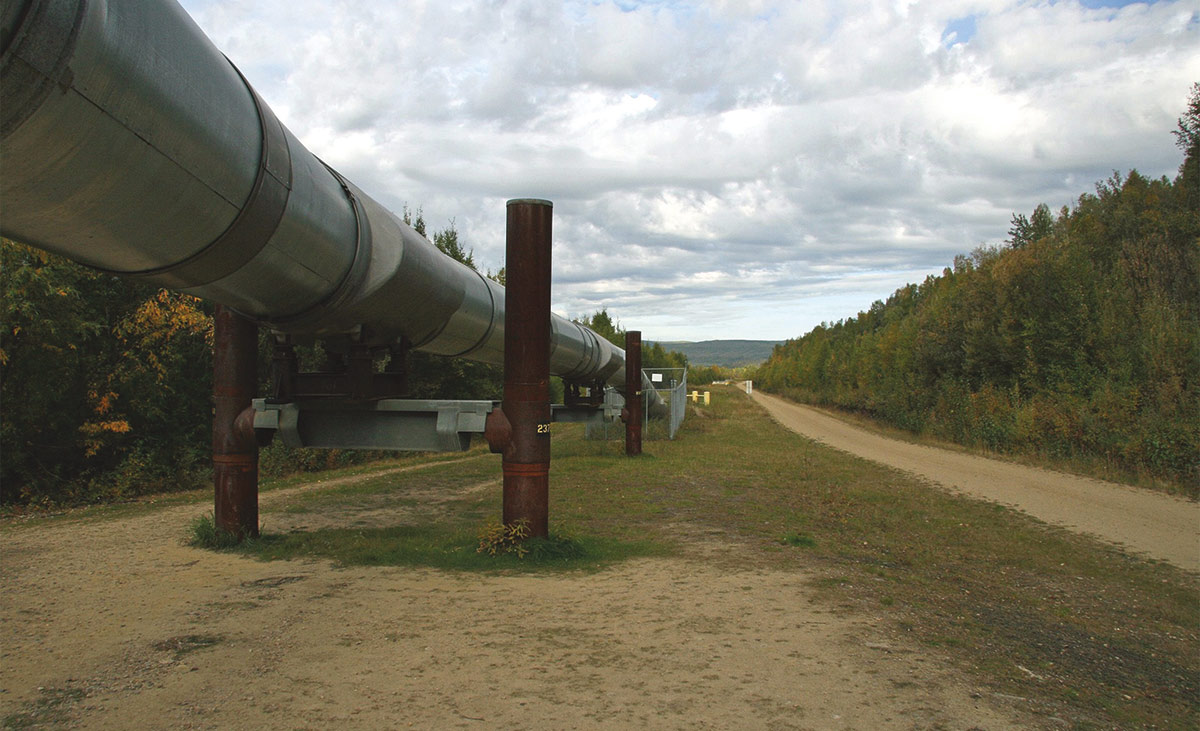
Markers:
point(204, 533)
point(798, 540)
point(496, 539)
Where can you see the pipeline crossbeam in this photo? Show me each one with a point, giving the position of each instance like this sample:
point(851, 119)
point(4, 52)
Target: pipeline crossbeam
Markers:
point(132, 145)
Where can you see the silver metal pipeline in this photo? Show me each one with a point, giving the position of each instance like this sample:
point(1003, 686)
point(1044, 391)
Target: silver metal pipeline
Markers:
point(129, 143)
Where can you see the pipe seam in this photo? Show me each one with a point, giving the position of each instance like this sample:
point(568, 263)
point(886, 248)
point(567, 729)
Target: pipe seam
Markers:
point(254, 224)
point(353, 279)
point(482, 341)
point(43, 42)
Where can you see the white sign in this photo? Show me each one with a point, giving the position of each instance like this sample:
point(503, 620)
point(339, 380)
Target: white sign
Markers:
point(656, 377)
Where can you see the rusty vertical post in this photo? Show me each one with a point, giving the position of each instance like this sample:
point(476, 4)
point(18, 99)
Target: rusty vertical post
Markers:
point(633, 393)
point(235, 453)
point(527, 364)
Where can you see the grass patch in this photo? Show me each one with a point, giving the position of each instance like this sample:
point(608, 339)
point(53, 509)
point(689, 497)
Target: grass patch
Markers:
point(203, 533)
point(444, 547)
point(20, 517)
point(401, 461)
point(440, 509)
point(798, 540)
point(433, 479)
point(1026, 609)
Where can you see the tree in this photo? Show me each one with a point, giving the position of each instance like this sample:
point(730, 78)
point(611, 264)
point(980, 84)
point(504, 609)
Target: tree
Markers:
point(104, 383)
point(653, 354)
point(1187, 136)
point(656, 356)
point(605, 326)
point(417, 220)
point(48, 330)
point(1025, 231)
point(447, 241)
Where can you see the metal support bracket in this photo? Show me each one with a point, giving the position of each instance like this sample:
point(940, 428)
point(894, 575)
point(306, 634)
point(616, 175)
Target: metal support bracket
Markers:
point(391, 424)
point(583, 395)
point(608, 409)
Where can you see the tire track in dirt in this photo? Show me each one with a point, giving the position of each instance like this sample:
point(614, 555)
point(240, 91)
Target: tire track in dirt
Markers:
point(1160, 526)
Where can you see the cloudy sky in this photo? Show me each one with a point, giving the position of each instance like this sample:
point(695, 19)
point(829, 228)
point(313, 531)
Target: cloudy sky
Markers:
point(726, 169)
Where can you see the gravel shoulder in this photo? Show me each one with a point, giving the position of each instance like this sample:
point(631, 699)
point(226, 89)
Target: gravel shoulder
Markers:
point(1160, 526)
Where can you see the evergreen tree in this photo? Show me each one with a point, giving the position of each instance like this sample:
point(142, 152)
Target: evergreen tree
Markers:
point(1187, 136)
point(447, 241)
point(1025, 231)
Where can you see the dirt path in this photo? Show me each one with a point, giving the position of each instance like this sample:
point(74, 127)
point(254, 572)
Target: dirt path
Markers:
point(1160, 526)
point(112, 623)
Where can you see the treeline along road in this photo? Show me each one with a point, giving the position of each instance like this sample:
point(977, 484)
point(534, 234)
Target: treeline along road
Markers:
point(1079, 339)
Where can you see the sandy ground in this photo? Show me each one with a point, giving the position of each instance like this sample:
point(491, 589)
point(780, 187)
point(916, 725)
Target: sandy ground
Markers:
point(1150, 523)
point(114, 624)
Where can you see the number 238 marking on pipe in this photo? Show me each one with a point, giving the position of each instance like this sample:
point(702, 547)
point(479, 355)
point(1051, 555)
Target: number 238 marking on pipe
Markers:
point(543, 428)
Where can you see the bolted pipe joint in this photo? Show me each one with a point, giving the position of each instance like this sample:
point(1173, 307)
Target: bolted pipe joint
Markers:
point(246, 437)
point(498, 431)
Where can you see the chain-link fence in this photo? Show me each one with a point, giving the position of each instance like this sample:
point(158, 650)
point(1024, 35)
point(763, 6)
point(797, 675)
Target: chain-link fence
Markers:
point(671, 385)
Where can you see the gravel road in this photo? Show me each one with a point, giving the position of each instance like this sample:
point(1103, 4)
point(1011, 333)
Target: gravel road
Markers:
point(1154, 524)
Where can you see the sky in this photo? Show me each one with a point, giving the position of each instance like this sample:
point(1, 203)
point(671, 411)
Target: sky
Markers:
point(726, 169)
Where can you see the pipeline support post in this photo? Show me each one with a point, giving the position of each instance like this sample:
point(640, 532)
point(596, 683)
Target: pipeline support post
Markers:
point(235, 452)
point(526, 406)
point(633, 393)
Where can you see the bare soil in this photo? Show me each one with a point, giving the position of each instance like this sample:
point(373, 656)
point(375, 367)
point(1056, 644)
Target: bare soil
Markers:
point(115, 624)
point(1153, 524)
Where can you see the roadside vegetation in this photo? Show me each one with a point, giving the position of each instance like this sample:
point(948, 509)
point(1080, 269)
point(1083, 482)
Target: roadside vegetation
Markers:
point(1079, 340)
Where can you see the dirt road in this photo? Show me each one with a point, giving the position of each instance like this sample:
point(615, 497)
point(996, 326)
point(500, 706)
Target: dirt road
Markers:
point(1154, 524)
point(112, 623)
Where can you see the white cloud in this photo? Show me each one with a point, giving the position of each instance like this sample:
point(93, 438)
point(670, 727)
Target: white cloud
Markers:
point(724, 169)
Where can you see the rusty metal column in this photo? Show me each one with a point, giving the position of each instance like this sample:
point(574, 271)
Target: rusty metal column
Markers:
point(633, 393)
point(235, 453)
point(527, 364)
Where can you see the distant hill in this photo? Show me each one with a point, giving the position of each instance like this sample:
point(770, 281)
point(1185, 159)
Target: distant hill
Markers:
point(726, 353)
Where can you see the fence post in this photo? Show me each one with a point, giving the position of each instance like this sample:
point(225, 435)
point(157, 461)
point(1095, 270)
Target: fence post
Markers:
point(633, 393)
